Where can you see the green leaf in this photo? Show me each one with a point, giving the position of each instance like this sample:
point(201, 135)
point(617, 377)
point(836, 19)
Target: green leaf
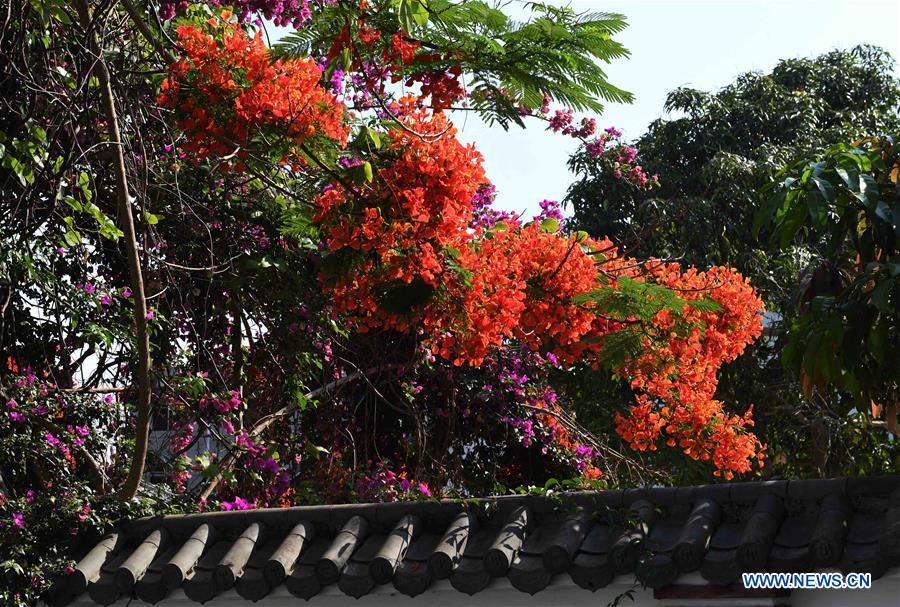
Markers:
point(361, 173)
point(315, 450)
point(411, 13)
point(880, 295)
point(791, 224)
point(868, 193)
point(817, 207)
point(72, 238)
point(550, 225)
point(825, 188)
point(877, 341)
point(84, 182)
point(74, 204)
point(374, 137)
point(764, 213)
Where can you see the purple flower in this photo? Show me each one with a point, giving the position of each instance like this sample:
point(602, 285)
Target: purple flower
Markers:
point(595, 148)
point(337, 82)
point(105, 300)
point(149, 315)
point(550, 210)
point(18, 520)
point(239, 503)
point(270, 465)
point(126, 292)
point(424, 489)
point(561, 120)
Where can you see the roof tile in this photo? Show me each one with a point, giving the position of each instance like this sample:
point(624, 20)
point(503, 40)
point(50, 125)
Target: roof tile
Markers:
point(657, 533)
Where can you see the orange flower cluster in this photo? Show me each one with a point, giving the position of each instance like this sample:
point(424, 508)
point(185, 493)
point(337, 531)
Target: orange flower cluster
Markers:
point(468, 290)
point(407, 227)
point(676, 377)
point(226, 89)
point(521, 286)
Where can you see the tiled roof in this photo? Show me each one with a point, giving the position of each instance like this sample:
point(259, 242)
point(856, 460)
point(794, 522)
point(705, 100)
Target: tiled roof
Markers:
point(655, 533)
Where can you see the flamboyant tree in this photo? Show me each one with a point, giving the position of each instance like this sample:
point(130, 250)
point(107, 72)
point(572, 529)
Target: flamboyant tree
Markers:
point(283, 259)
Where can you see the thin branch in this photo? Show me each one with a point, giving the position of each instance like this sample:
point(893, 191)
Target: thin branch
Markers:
point(268, 420)
point(142, 338)
point(146, 32)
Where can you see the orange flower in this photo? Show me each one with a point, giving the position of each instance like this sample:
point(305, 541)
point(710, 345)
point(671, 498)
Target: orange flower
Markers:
point(226, 90)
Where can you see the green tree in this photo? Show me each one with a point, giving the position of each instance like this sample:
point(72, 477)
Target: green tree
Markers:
point(712, 157)
point(846, 324)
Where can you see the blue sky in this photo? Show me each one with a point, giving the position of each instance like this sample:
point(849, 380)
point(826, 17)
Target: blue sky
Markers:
point(702, 44)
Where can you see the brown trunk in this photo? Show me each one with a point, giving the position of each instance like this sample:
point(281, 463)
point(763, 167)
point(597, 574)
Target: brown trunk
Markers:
point(142, 372)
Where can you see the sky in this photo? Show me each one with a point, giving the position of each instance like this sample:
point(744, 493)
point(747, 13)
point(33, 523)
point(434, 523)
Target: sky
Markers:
point(703, 44)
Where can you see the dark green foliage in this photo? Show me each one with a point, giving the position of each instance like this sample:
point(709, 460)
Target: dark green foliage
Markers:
point(712, 156)
point(845, 331)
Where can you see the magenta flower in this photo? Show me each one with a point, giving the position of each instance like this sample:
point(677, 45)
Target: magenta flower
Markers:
point(126, 292)
point(18, 520)
point(424, 489)
point(149, 315)
point(239, 503)
point(270, 465)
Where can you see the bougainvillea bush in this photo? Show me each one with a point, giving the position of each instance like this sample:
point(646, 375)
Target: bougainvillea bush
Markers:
point(238, 274)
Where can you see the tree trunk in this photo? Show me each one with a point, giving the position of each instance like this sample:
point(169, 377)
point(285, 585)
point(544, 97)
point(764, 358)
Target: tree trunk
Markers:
point(142, 372)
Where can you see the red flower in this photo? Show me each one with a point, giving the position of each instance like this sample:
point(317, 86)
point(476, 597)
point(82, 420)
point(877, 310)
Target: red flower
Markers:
point(226, 90)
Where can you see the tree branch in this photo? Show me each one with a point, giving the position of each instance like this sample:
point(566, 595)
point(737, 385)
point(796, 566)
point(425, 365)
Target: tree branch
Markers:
point(146, 32)
point(268, 420)
point(142, 426)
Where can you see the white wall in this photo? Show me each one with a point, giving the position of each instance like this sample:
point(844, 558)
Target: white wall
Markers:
point(885, 592)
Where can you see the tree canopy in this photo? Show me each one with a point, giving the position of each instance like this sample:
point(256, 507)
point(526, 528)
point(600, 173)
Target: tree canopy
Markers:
point(714, 156)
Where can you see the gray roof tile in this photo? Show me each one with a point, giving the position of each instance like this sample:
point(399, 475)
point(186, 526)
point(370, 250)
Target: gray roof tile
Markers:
point(656, 533)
